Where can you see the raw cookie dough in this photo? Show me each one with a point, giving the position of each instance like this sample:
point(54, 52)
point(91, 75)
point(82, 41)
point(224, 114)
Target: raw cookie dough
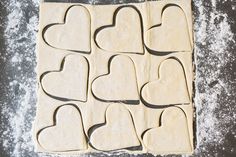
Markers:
point(66, 83)
point(172, 34)
point(72, 34)
point(171, 84)
point(118, 127)
point(119, 86)
point(66, 134)
point(172, 136)
point(126, 27)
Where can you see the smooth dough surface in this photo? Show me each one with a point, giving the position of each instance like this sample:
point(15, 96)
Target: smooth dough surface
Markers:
point(67, 134)
point(170, 88)
point(172, 34)
point(118, 127)
point(126, 34)
point(72, 35)
point(71, 82)
point(120, 84)
point(172, 136)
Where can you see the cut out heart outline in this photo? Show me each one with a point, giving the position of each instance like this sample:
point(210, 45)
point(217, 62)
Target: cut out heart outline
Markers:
point(114, 22)
point(158, 81)
point(94, 131)
point(166, 126)
point(83, 96)
point(88, 36)
point(117, 59)
point(159, 26)
point(68, 146)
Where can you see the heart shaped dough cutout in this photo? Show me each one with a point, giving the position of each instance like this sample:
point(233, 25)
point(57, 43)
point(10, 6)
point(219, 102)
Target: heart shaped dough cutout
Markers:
point(170, 88)
point(73, 34)
point(70, 83)
point(120, 84)
point(172, 35)
point(172, 136)
point(124, 35)
point(66, 134)
point(118, 132)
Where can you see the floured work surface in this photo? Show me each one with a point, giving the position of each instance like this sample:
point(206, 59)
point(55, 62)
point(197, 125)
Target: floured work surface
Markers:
point(115, 78)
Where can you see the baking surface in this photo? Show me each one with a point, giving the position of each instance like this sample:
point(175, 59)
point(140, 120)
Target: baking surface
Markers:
point(215, 90)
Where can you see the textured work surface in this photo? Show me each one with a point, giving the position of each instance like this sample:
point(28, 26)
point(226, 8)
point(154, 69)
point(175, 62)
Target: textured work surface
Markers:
point(215, 90)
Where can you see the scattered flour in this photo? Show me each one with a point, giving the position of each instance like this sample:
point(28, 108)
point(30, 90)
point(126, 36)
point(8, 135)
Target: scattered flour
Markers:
point(214, 97)
point(214, 88)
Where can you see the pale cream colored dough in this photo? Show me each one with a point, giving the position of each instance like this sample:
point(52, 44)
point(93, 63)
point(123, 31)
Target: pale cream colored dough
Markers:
point(172, 34)
point(139, 66)
point(118, 132)
point(170, 88)
point(126, 34)
point(71, 81)
point(120, 84)
point(172, 136)
point(73, 34)
point(66, 134)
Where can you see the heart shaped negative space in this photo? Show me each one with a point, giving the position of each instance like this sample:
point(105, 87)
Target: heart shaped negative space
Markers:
point(172, 137)
point(66, 134)
point(172, 34)
point(117, 133)
point(120, 84)
point(73, 34)
point(124, 34)
point(171, 87)
point(70, 82)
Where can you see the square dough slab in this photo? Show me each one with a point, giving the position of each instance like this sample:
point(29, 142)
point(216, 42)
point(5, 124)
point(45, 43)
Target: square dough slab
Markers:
point(115, 78)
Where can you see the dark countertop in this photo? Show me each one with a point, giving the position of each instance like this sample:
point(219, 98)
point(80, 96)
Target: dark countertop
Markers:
point(215, 85)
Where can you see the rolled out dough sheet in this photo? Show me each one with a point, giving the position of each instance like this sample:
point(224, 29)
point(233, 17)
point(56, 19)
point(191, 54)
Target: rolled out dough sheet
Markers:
point(115, 78)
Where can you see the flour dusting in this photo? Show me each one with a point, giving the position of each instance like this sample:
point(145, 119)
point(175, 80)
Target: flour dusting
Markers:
point(214, 90)
point(215, 109)
point(19, 109)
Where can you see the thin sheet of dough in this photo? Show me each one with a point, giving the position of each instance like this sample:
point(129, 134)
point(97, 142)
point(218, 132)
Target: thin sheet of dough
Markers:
point(121, 32)
point(121, 83)
point(146, 67)
point(66, 134)
point(65, 83)
point(119, 125)
point(68, 35)
point(171, 83)
point(172, 136)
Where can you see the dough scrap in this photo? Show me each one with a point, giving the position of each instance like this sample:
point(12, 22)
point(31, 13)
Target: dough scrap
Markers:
point(173, 134)
point(118, 132)
point(74, 34)
point(70, 83)
point(120, 84)
point(171, 87)
point(172, 34)
point(66, 134)
point(125, 34)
